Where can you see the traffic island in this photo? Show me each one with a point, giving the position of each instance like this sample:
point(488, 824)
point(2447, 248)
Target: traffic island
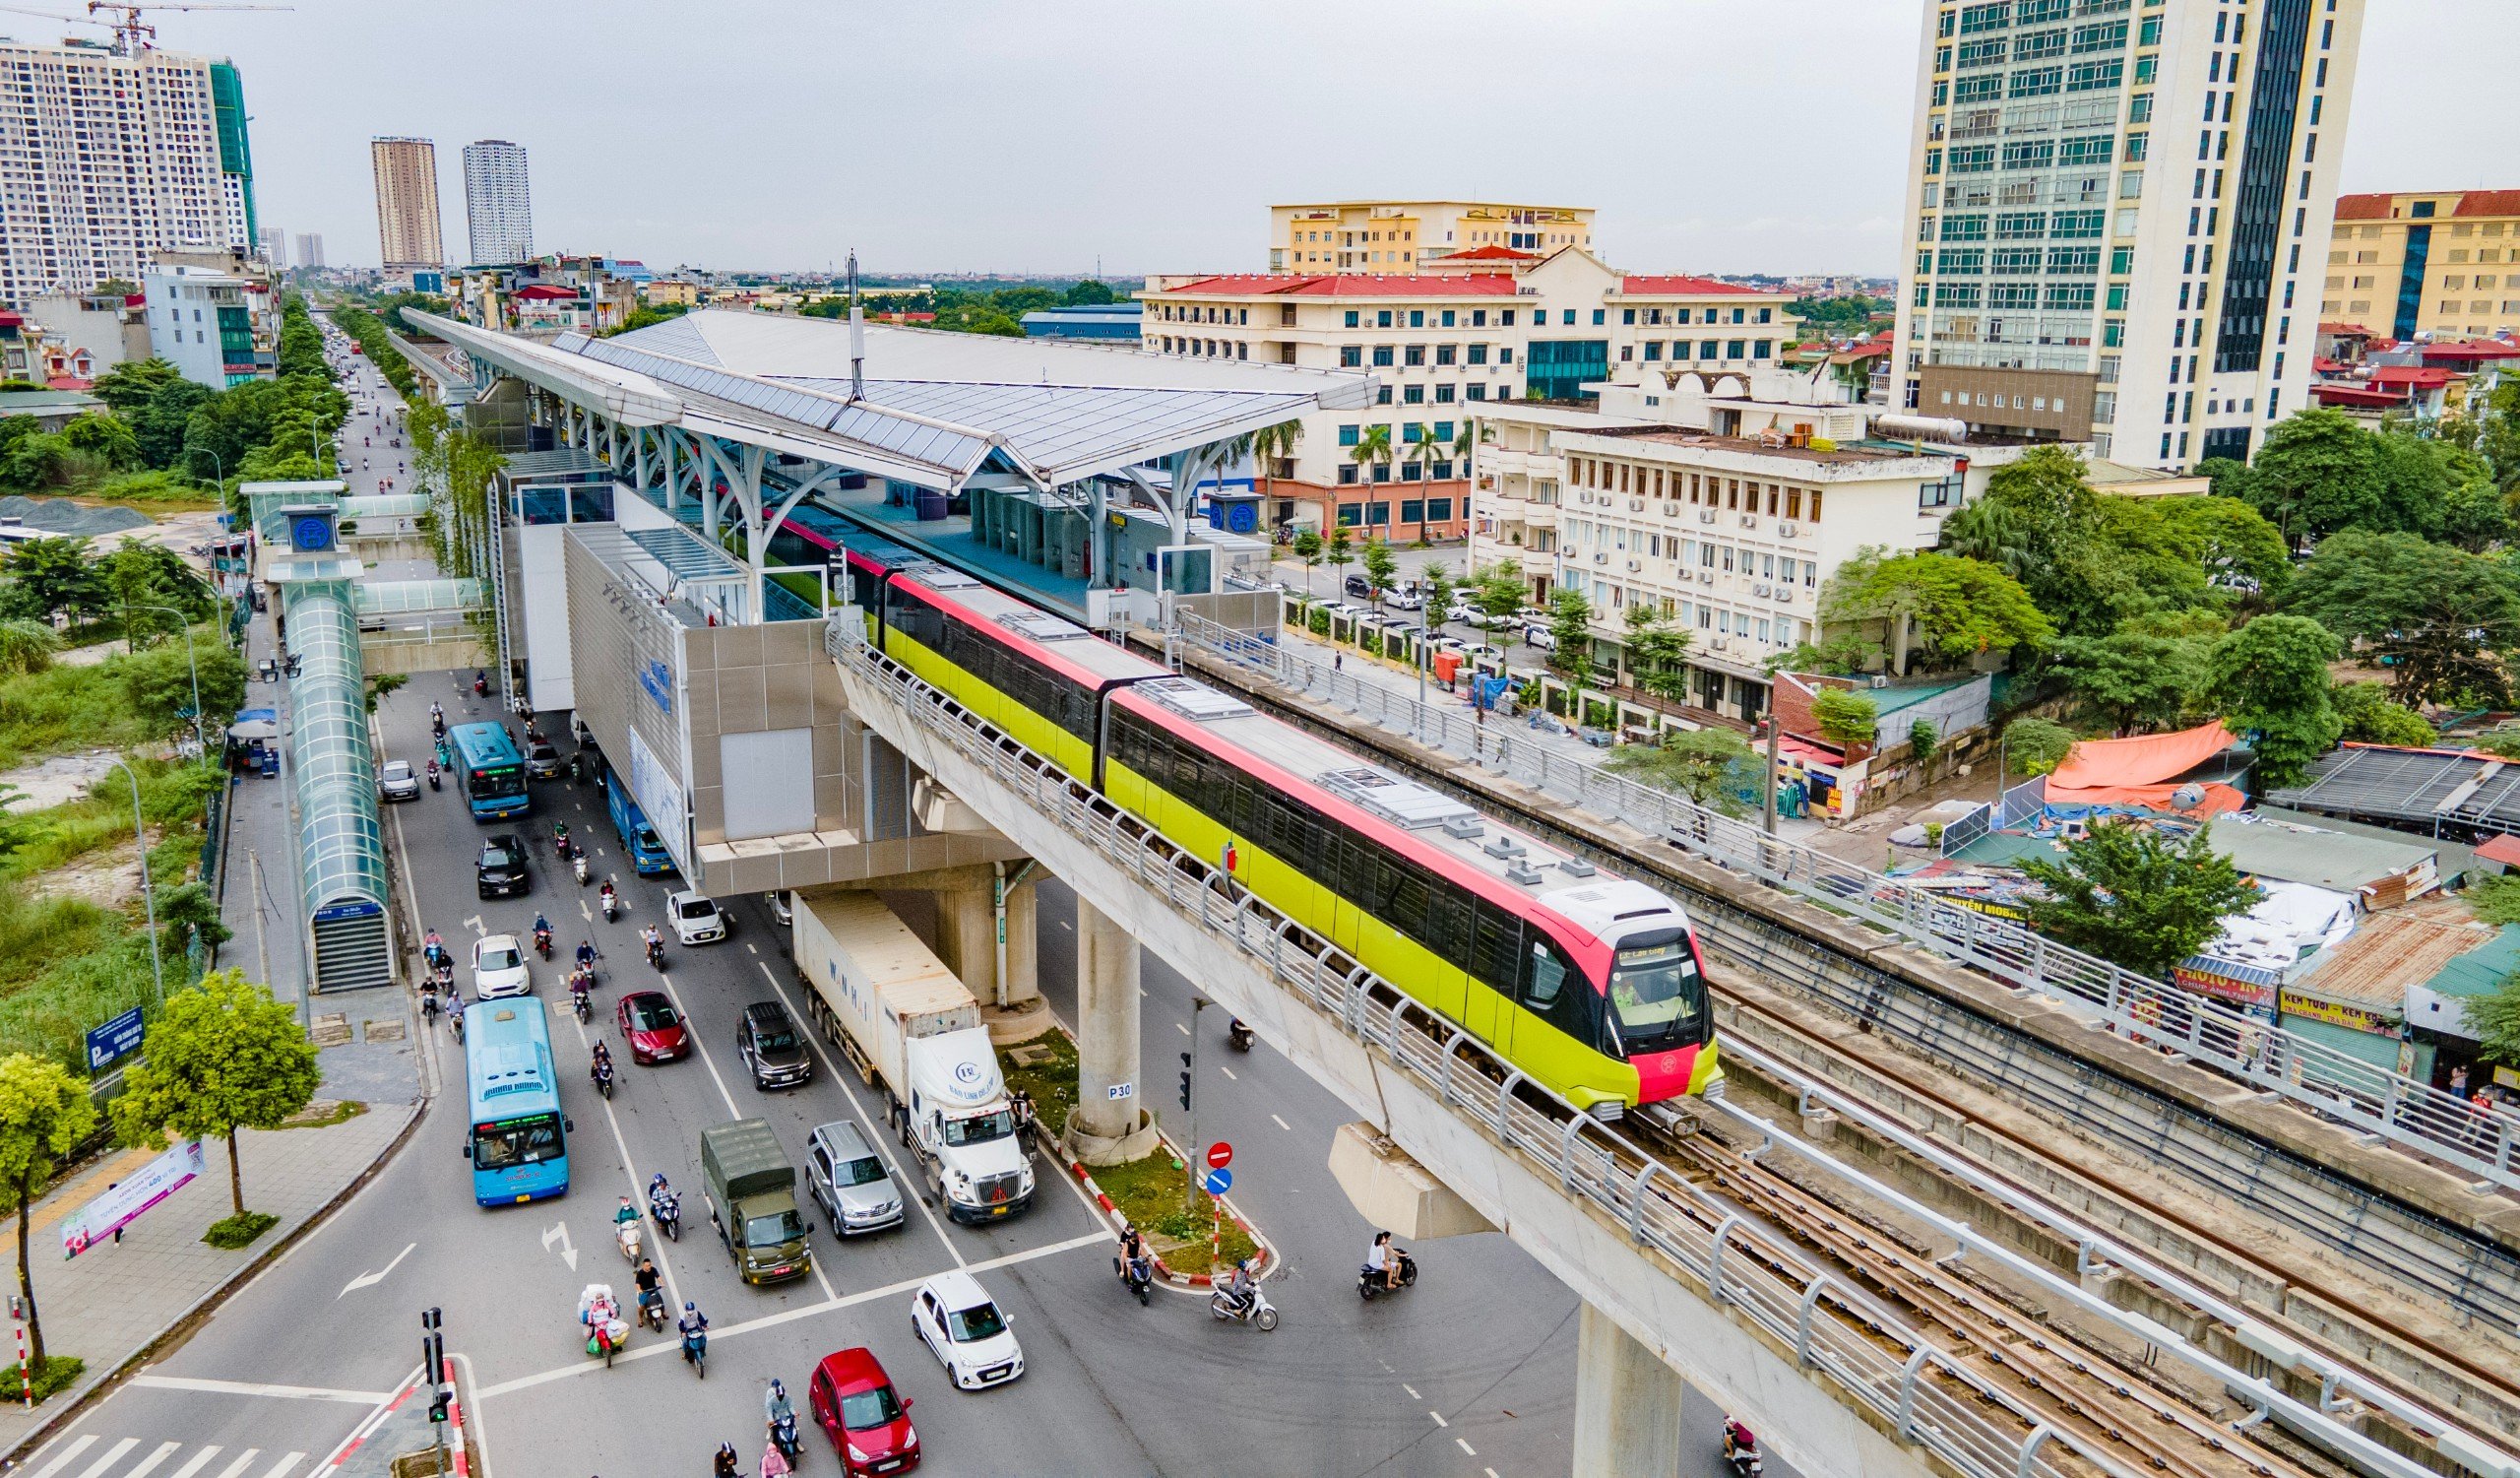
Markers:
point(53, 1376)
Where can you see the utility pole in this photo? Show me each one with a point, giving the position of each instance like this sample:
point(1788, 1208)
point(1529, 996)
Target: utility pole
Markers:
point(1191, 1158)
point(1769, 793)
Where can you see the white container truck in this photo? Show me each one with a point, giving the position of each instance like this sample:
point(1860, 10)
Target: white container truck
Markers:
point(911, 1026)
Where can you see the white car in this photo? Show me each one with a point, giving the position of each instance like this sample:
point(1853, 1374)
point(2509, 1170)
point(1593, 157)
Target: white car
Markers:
point(966, 1332)
point(1541, 637)
point(695, 916)
point(498, 968)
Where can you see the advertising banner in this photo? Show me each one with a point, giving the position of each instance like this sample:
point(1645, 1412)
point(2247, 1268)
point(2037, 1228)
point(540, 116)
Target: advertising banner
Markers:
point(122, 1203)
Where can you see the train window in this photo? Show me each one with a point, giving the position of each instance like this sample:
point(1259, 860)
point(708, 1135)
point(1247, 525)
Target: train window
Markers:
point(1656, 1001)
point(1450, 928)
point(1546, 978)
point(1497, 944)
point(1554, 990)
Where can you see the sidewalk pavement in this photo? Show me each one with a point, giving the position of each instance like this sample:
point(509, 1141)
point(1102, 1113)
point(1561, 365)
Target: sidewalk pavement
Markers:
point(113, 1301)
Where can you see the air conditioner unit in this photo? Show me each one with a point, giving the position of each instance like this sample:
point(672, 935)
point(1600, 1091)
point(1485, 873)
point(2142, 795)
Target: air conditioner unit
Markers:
point(1788, 531)
point(1706, 577)
point(1636, 505)
point(1671, 510)
point(1636, 564)
point(1784, 595)
point(1722, 644)
point(1760, 591)
point(1880, 682)
point(1749, 520)
point(1706, 515)
point(1604, 558)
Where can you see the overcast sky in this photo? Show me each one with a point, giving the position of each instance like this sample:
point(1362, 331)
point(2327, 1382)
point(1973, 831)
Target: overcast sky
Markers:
point(1015, 134)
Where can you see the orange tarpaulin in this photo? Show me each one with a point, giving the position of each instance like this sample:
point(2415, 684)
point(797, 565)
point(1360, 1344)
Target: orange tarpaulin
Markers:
point(2145, 760)
point(2217, 799)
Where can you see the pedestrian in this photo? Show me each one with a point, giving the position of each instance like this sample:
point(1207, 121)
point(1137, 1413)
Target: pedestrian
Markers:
point(2459, 1081)
point(1337, 660)
point(111, 1185)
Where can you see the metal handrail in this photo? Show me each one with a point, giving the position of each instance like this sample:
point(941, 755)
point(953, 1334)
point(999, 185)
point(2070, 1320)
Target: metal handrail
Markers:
point(2395, 1107)
point(1771, 1282)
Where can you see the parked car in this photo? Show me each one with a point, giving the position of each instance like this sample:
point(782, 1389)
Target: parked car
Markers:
point(966, 1332)
point(542, 759)
point(781, 906)
point(770, 1045)
point(696, 916)
point(398, 781)
point(501, 868)
point(1465, 614)
point(499, 968)
point(652, 1026)
point(1359, 588)
point(853, 1402)
point(847, 1180)
point(1541, 637)
point(1403, 599)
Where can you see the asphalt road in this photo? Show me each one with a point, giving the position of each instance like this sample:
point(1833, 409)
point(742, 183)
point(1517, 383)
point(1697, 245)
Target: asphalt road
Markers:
point(1469, 1372)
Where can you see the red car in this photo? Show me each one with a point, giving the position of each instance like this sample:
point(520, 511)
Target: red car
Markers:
point(652, 1027)
point(869, 1426)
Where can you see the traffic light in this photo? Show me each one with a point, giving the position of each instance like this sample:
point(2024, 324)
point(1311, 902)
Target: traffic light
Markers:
point(1187, 1060)
point(438, 1404)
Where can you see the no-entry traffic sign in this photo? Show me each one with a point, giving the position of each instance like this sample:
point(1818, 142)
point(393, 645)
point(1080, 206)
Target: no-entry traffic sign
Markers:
point(1220, 1155)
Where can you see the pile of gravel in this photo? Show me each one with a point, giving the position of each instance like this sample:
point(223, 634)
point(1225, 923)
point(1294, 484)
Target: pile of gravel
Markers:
point(62, 517)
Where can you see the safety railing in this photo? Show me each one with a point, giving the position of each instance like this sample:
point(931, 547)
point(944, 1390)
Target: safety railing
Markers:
point(1927, 1395)
point(2396, 1108)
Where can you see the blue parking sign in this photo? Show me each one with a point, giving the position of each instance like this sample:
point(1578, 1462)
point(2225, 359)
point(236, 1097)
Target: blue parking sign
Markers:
point(115, 1038)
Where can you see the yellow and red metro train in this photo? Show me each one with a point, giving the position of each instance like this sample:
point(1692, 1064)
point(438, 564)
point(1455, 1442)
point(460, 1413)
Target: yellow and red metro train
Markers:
point(1591, 985)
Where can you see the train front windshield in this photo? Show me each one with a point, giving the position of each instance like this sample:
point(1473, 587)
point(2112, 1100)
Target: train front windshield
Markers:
point(1657, 999)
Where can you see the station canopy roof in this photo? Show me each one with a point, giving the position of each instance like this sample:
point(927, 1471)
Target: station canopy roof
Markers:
point(937, 405)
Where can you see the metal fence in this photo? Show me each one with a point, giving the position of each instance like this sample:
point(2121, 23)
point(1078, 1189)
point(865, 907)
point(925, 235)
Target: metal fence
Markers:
point(1837, 1331)
point(2399, 1108)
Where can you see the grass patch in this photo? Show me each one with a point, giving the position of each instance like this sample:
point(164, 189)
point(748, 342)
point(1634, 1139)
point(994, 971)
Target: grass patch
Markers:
point(1051, 1079)
point(157, 491)
point(1148, 1192)
point(232, 1232)
point(57, 1374)
point(322, 1115)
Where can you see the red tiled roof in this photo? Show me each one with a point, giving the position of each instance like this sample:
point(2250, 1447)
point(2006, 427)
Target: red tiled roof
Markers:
point(2488, 203)
point(2502, 848)
point(1348, 284)
point(2362, 208)
point(2412, 374)
point(68, 382)
point(1490, 253)
point(2345, 328)
point(1679, 286)
point(2357, 395)
point(2327, 366)
point(543, 293)
point(2474, 348)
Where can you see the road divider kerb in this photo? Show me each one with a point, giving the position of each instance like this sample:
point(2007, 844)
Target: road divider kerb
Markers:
point(1180, 1281)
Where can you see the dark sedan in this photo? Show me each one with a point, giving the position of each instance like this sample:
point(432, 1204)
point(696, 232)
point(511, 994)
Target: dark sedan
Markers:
point(501, 868)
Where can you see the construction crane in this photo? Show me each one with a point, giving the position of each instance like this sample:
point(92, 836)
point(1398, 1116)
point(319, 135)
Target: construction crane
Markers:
point(132, 35)
point(28, 10)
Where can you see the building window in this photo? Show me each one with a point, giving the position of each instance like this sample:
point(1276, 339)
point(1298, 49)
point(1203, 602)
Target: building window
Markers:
point(1382, 356)
point(1352, 318)
point(1350, 514)
point(1440, 510)
point(1479, 353)
point(1414, 354)
point(1413, 395)
point(1412, 510)
point(1444, 394)
point(1348, 435)
point(1347, 476)
point(1351, 357)
point(1444, 354)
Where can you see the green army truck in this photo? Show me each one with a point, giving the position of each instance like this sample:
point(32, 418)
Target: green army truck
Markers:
point(751, 1190)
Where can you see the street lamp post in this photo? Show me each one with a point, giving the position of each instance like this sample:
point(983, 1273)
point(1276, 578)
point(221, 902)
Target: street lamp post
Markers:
point(199, 738)
point(315, 442)
point(147, 889)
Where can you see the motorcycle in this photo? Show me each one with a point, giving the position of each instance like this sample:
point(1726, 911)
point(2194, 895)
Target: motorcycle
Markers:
point(782, 1433)
point(1238, 1035)
point(651, 1309)
point(428, 1004)
point(434, 773)
point(599, 1315)
point(1369, 1283)
point(437, 726)
point(667, 1211)
point(578, 1000)
point(627, 1237)
point(601, 1072)
point(656, 955)
point(579, 862)
point(1258, 1311)
point(695, 1351)
point(612, 904)
point(1137, 1274)
point(542, 943)
point(1740, 1449)
point(480, 684)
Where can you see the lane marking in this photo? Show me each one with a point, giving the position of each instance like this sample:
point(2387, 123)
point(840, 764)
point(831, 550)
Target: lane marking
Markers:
point(839, 1071)
point(243, 1459)
point(200, 1461)
point(702, 1043)
point(370, 1281)
point(1491, 1472)
point(1439, 1418)
point(560, 1233)
point(1413, 1392)
point(1282, 1123)
point(165, 1451)
point(68, 1456)
point(751, 948)
point(113, 1455)
point(1227, 1071)
point(1178, 1027)
point(1465, 1445)
point(254, 1388)
point(638, 1187)
point(784, 1316)
point(282, 1467)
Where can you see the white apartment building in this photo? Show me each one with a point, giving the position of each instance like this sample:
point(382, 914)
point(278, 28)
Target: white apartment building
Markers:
point(1409, 235)
point(498, 204)
point(218, 328)
point(275, 247)
point(2079, 268)
point(1443, 346)
point(310, 248)
point(105, 159)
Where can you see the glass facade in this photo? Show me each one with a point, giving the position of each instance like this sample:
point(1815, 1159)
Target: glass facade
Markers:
point(1557, 368)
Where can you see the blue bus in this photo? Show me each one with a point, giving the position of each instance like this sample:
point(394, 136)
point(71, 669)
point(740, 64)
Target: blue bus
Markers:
point(491, 770)
point(519, 1140)
point(639, 840)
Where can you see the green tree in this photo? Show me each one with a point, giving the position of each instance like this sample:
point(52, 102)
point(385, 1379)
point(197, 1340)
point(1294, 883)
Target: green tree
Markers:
point(223, 1057)
point(1309, 548)
point(1274, 444)
point(134, 383)
point(1699, 763)
point(2477, 517)
point(1088, 293)
point(2369, 718)
point(2318, 472)
point(1845, 716)
point(55, 575)
point(2133, 680)
point(2434, 614)
point(1922, 739)
point(2232, 542)
point(44, 1114)
point(1373, 450)
point(1958, 607)
point(2229, 477)
point(1436, 580)
point(1657, 652)
point(2128, 893)
point(157, 682)
point(649, 315)
point(1498, 592)
point(2036, 746)
point(1570, 631)
point(2494, 1020)
point(381, 684)
point(2270, 680)
point(1381, 565)
point(1342, 554)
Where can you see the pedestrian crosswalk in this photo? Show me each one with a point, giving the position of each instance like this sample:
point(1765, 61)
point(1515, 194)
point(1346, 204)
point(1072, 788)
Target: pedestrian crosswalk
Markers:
point(94, 1457)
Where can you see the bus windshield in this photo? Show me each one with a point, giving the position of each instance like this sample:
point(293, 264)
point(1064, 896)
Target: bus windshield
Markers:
point(496, 782)
point(1656, 998)
point(516, 1141)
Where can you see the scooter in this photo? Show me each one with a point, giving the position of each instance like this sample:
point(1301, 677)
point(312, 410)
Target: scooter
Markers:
point(1137, 1274)
point(668, 1210)
point(434, 773)
point(1740, 1449)
point(1369, 1283)
point(695, 1352)
point(1258, 1311)
point(579, 862)
point(611, 903)
point(651, 1309)
point(626, 1236)
point(784, 1432)
point(601, 1072)
point(542, 943)
point(578, 1002)
point(656, 955)
point(1238, 1035)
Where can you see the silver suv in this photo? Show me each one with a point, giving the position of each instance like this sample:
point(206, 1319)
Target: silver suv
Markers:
point(847, 1179)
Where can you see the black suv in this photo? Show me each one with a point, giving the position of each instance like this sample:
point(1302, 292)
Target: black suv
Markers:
point(501, 867)
point(769, 1042)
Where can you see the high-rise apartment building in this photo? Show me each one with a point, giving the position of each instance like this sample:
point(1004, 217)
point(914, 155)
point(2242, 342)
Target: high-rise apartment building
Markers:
point(498, 208)
point(311, 249)
point(2446, 264)
point(274, 245)
point(406, 216)
point(106, 158)
point(2117, 205)
point(1385, 236)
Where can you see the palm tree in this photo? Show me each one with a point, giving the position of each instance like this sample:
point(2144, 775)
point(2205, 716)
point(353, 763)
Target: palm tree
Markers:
point(1373, 447)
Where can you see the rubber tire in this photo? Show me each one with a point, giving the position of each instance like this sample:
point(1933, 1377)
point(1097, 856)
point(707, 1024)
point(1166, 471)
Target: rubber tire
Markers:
point(1365, 1290)
point(1266, 1318)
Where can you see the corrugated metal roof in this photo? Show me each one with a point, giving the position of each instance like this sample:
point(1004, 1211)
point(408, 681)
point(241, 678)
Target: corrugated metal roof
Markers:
point(2391, 951)
point(2428, 787)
